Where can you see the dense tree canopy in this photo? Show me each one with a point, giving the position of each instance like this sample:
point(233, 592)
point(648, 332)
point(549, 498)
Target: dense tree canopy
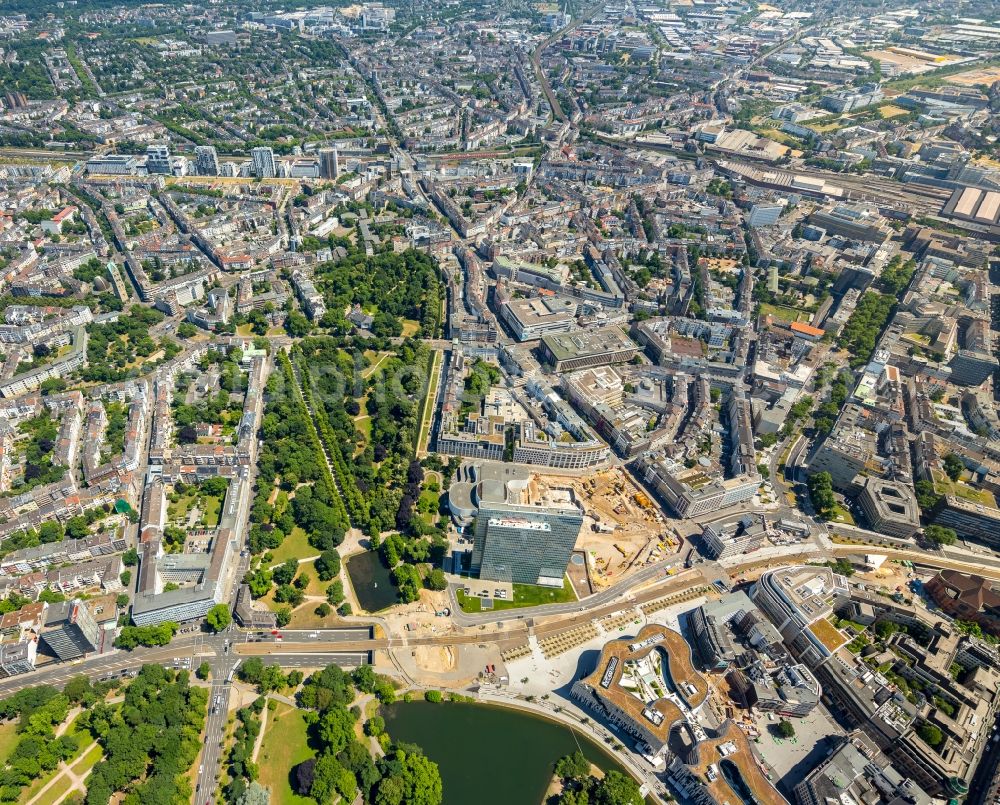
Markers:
point(395, 286)
point(342, 765)
point(941, 535)
point(219, 617)
point(131, 636)
point(581, 788)
point(862, 330)
point(37, 750)
point(821, 494)
point(149, 742)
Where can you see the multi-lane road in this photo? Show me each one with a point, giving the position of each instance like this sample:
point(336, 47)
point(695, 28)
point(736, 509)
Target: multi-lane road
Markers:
point(222, 669)
point(659, 570)
point(329, 645)
point(356, 645)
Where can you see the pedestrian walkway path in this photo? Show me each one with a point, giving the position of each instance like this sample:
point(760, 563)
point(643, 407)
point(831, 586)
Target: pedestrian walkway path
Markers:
point(77, 781)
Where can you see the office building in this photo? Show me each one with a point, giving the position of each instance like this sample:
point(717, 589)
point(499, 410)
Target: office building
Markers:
point(263, 163)
point(790, 690)
point(18, 657)
point(303, 169)
point(689, 491)
point(70, 630)
point(570, 351)
point(311, 299)
point(856, 771)
point(626, 685)
point(959, 707)
point(329, 163)
point(855, 221)
point(732, 634)
point(220, 38)
point(529, 319)
point(977, 519)
point(112, 165)
point(972, 368)
point(846, 453)
point(725, 539)
point(184, 586)
point(206, 160)
point(799, 600)
point(158, 159)
point(710, 628)
point(250, 617)
point(850, 99)
point(599, 395)
point(524, 547)
point(890, 507)
point(516, 541)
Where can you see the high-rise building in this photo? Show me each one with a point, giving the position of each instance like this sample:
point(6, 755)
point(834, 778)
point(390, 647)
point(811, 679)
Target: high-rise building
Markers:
point(264, 164)
point(158, 159)
point(329, 163)
point(70, 630)
point(519, 542)
point(206, 160)
point(525, 544)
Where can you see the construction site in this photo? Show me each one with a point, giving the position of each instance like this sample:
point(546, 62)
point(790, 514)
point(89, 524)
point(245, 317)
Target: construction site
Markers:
point(623, 529)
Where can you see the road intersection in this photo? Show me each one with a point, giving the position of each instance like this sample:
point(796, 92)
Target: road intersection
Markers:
point(356, 644)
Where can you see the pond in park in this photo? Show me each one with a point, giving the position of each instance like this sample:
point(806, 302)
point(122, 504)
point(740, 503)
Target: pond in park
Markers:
point(372, 581)
point(489, 755)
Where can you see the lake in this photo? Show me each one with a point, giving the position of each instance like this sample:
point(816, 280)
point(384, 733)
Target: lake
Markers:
point(489, 755)
point(372, 581)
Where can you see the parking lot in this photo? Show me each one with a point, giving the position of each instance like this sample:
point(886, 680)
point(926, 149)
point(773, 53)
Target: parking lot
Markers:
point(793, 758)
point(488, 590)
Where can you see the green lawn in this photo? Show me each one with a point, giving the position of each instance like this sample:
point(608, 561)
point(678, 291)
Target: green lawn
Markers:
point(83, 737)
point(8, 739)
point(82, 768)
point(944, 485)
point(56, 792)
point(316, 587)
point(209, 505)
point(283, 748)
point(782, 313)
point(375, 365)
point(981, 496)
point(88, 761)
point(469, 604)
point(176, 511)
point(210, 508)
point(294, 546)
point(427, 506)
point(525, 595)
point(841, 515)
point(363, 422)
point(426, 412)
point(530, 595)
